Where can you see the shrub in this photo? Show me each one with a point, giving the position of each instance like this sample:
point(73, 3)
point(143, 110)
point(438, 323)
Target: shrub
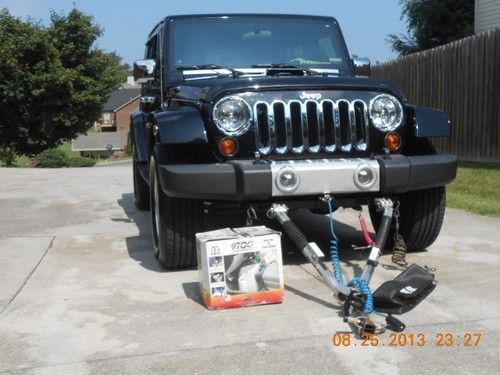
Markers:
point(52, 158)
point(128, 149)
point(56, 158)
point(7, 156)
point(81, 162)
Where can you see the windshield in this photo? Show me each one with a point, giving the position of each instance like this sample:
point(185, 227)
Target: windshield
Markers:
point(252, 42)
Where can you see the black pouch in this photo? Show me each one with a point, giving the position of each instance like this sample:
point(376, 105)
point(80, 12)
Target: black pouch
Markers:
point(405, 292)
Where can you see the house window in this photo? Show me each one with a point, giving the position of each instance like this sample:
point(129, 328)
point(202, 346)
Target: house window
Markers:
point(106, 118)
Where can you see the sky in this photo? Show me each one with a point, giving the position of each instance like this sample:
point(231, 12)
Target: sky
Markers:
point(126, 23)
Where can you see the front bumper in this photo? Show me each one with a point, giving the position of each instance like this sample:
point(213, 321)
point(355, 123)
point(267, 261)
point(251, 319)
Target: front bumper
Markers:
point(246, 181)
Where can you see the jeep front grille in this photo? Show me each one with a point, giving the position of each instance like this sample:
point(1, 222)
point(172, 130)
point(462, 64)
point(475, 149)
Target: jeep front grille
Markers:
point(312, 126)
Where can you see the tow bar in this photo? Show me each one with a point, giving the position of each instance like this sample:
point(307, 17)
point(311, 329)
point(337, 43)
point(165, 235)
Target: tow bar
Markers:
point(393, 297)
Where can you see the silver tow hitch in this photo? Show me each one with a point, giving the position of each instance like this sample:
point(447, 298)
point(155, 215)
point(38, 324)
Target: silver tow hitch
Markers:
point(356, 294)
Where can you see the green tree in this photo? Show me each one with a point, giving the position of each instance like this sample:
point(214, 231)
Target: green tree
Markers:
point(53, 81)
point(432, 23)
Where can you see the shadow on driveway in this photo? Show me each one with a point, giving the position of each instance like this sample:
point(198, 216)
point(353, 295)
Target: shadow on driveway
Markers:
point(139, 247)
point(314, 226)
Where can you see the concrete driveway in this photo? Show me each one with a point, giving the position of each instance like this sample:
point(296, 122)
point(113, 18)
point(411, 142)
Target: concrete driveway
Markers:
point(80, 292)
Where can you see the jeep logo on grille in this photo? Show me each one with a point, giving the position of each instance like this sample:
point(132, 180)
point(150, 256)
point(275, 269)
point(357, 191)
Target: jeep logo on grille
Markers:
point(310, 95)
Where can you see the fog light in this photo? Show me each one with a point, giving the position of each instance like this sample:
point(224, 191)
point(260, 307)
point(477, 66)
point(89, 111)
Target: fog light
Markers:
point(393, 141)
point(228, 146)
point(287, 180)
point(365, 176)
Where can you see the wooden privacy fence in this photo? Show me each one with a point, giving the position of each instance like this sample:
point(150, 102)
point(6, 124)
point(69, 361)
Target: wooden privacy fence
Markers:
point(463, 79)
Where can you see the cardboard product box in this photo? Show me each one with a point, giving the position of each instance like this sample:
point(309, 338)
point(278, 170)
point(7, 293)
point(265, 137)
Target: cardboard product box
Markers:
point(240, 267)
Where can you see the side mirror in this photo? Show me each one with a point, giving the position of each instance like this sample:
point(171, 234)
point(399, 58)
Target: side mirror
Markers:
point(144, 70)
point(361, 66)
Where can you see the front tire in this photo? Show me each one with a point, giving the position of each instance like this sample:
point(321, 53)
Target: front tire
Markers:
point(175, 222)
point(421, 211)
point(421, 217)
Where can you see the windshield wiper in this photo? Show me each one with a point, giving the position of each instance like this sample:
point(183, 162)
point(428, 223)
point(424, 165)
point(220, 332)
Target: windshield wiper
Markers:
point(285, 66)
point(234, 72)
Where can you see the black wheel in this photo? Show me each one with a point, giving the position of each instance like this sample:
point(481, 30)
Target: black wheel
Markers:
point(141, 188)
point(175, 222)
point(421, 211)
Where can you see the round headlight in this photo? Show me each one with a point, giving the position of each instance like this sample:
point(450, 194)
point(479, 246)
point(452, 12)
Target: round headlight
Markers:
point(232, 115)
point(386, 112)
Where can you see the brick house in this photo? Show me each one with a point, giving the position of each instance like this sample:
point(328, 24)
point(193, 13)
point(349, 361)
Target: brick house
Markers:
point(115, 115)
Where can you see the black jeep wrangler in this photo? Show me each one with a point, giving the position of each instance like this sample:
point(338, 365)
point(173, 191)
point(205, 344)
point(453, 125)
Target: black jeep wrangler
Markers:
point(241, 111)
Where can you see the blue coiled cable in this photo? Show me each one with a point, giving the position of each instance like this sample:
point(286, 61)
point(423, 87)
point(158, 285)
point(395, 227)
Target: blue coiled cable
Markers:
point(334, 251)
point(357, 282)
point(363, 287)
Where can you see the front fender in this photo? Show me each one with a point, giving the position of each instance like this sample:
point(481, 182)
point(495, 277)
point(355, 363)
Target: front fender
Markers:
point(179, 126)
point(429, 122)
point(139, 136)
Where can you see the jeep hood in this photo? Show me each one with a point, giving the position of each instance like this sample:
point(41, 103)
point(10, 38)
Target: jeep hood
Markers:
point(209, 90)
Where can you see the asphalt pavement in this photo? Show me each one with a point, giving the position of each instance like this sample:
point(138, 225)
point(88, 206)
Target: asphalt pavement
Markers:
point(81, 293)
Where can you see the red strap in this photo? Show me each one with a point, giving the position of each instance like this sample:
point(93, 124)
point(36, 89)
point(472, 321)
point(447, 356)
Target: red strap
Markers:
point(369, 241)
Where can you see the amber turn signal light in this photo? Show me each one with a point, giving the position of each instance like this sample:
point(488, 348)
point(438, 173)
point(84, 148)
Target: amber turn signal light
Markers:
point(228, 146)
point(393, 141)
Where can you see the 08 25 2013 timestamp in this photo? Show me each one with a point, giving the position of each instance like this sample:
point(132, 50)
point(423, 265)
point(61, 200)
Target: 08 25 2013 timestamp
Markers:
point(403, 339)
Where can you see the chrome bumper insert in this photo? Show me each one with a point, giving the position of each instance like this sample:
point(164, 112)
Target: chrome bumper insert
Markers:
point(320, 176)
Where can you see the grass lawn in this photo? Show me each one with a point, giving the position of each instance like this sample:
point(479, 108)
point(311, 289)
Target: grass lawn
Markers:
point(476, 189)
